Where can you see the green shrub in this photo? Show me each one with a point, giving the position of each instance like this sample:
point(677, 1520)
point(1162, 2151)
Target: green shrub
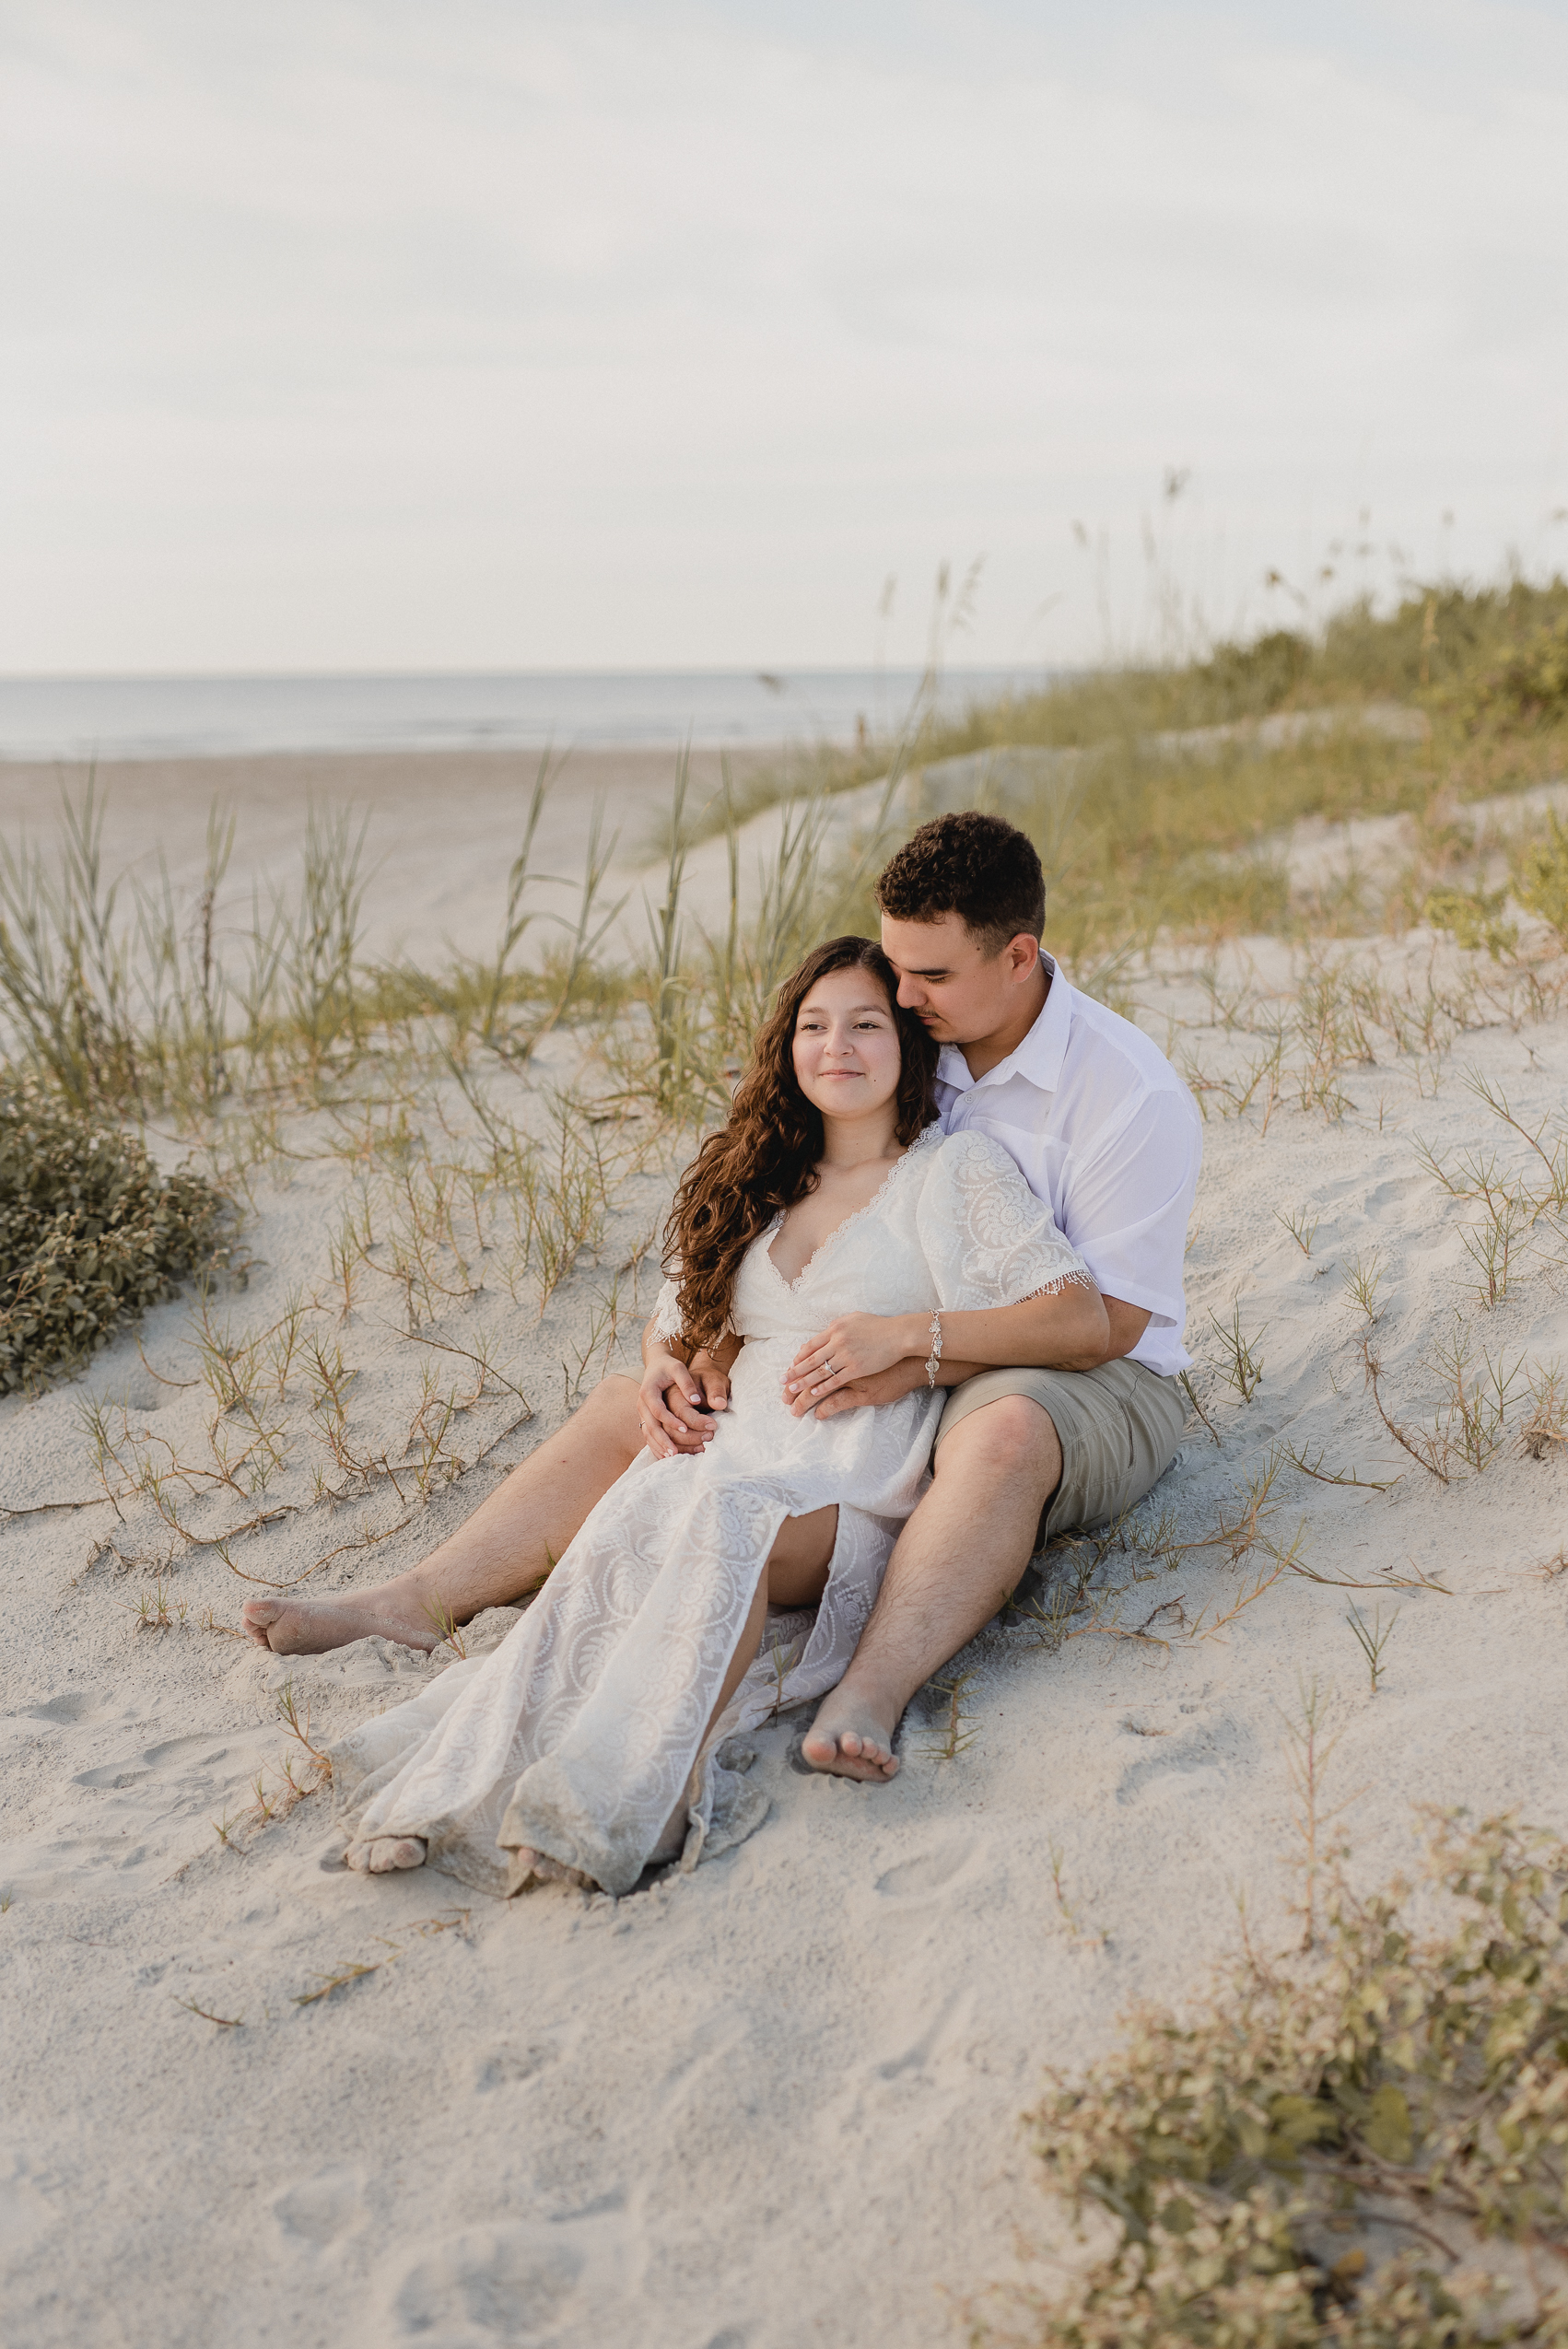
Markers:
point(90, 1233)
point(1540, 876)
point(1528, 686)
point(1249, 680)
point(1473, 917)
point(1259, 2163)
point(1440, 637)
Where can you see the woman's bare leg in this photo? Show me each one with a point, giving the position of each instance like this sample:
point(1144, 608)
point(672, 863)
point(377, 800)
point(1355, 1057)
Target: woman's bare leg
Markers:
point(505, 1550)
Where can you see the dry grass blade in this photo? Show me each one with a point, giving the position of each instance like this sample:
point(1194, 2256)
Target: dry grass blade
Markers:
point(1183, 1380)
point(298, 1725)
point(224, 2022)
point(1429, 1452)
point(1348, 1477)
point(958, 1732)
point(356, 1970)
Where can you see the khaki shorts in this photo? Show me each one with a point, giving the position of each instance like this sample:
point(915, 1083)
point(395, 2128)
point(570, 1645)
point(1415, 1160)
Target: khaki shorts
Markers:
point(1119, 1428)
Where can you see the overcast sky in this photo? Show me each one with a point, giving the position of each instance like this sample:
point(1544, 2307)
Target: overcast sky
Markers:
point(497, 334)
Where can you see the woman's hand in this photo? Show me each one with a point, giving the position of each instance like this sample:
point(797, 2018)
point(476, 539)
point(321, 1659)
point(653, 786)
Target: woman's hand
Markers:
point(855, 1346)
point(675, 1402)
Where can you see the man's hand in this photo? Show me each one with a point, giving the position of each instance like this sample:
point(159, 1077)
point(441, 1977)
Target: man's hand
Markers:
point(881, 1386)
point(676, 1401)
point(852, 1348)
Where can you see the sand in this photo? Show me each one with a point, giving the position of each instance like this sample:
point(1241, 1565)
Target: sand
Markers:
point(777, 2101)
point(443, 827)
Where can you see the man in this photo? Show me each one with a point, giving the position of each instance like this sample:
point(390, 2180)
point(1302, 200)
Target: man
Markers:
point(1104, 1130)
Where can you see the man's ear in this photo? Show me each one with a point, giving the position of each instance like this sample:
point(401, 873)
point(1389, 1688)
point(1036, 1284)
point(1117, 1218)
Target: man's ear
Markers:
point(1024, 953)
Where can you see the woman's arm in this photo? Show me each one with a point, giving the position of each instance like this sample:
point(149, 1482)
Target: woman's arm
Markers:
point(1066, 1329)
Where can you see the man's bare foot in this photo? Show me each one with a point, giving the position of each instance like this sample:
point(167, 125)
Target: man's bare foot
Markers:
point(385, 1853)
point(310, 1626)
point(849, 1741)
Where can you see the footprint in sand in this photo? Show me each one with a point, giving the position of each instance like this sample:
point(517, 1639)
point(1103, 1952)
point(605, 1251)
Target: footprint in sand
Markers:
point(317, 2210)
point(73, 1706)
point(565, 2282)
point(927, 1874)
point(505, 2064)
point(127, 1774)
point(1184, 1772)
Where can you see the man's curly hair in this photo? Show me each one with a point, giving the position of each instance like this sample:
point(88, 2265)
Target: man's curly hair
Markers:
point(972, 865)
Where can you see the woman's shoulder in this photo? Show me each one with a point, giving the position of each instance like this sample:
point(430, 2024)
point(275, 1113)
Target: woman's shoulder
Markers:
point(967, 1153)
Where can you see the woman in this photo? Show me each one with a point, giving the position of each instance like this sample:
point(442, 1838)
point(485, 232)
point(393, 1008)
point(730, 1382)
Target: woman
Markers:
point(587, 1743)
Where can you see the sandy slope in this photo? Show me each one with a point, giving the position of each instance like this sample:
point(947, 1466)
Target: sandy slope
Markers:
point(775, 2102)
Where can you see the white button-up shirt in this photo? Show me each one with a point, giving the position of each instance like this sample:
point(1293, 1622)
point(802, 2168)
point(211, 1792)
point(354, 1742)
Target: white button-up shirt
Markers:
point(1105, 1132)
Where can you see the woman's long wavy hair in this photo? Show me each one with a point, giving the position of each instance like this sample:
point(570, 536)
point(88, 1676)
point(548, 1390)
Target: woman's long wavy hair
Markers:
point(766, 1158)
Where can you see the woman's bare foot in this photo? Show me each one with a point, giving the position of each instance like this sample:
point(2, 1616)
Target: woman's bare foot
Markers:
point(310, 1626)
point(537, 1867)
point(382, 1853)
point(850, 1740)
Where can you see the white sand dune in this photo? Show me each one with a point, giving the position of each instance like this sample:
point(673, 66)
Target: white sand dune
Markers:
point(776, 2101)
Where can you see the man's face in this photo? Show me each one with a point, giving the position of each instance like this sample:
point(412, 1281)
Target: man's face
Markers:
point(959, 993)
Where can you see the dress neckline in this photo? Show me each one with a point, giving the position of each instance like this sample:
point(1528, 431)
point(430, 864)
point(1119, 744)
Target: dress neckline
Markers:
point(921, 1139)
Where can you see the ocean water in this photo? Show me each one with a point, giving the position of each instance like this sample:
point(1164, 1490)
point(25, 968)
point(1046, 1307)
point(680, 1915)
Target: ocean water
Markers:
point(133, 717)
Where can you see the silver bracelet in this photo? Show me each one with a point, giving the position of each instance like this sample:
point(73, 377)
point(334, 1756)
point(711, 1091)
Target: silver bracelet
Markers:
point(933, 1360)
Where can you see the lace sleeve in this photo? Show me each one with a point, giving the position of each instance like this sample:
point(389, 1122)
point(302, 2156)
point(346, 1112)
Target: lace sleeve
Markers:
point(987, 1239)
point(667, 1323)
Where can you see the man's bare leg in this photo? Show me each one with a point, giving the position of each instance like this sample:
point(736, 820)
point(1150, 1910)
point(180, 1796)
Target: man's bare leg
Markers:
point(505, 1550)
point(961, 1551)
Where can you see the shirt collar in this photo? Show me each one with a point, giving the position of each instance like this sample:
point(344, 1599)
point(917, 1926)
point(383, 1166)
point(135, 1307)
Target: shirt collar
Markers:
point(1037, 1060)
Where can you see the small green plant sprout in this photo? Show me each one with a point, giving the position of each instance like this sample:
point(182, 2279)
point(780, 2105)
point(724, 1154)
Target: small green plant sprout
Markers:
point(783, 1656)
point(1311, 1740)
point(298, 1725)
point(957, 1733)
point(1372, 1639)
point(1240, 1363)
point(1362, 1280)
point(448, 1630)
point(152, 1609)
point(223, 1829)
point(1548, 1422)
point(1302, 1227)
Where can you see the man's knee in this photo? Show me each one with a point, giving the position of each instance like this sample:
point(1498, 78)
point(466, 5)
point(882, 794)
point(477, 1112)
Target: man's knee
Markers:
point(612, 1409)
point(1010, 1437)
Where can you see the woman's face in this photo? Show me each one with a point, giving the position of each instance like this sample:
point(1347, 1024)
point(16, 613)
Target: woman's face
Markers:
point(845, 1047)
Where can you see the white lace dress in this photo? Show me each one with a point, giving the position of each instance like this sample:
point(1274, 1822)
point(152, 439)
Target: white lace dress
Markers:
point(582, 1732)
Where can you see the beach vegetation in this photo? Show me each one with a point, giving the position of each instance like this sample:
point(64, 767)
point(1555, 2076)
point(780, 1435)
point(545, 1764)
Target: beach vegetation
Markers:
point(91, 1231)
point(1372, 1639)
point(1361, 2143)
